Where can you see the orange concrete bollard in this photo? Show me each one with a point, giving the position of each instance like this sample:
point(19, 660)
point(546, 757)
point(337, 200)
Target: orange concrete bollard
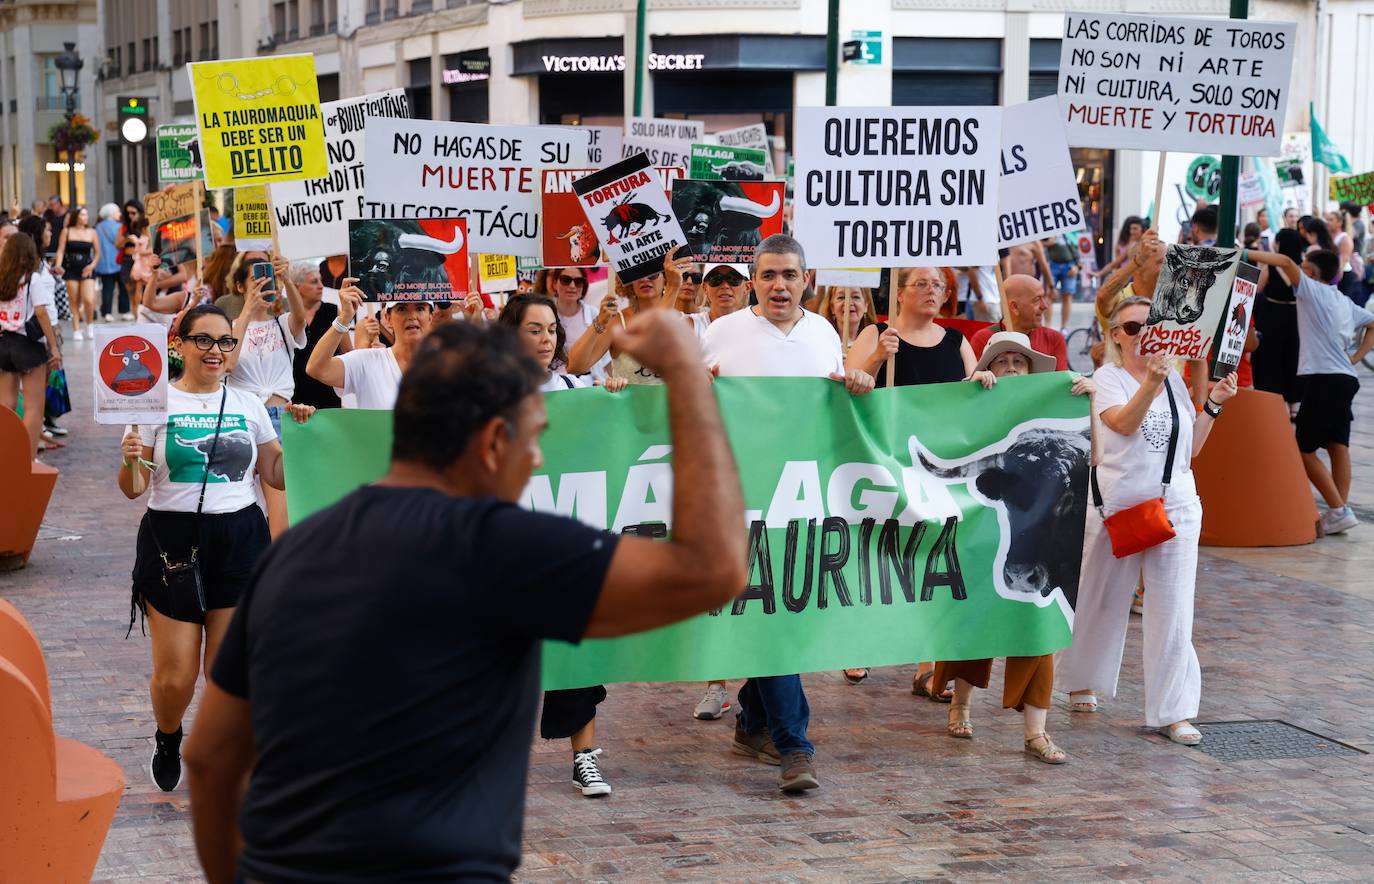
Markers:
point(28, 487)
point(1250, 477)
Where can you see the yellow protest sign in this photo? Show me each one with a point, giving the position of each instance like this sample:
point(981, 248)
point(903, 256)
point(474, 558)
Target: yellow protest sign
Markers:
point(252, 219)
point(497, 272)
point(259, 120)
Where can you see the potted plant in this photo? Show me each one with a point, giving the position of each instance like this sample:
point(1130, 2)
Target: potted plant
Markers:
point(72, 136)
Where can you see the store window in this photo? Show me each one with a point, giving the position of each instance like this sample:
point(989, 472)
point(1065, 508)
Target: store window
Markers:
point(946, 71)
point(466, 79)
point(418, 92)
point(1044, 68)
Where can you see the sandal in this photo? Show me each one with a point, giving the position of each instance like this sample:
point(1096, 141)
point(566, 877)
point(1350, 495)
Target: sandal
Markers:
point(1047, 752)
point(1083, 702)
point(959, 724)
point(920, 687)
point(854, 676)
point(1183, 733)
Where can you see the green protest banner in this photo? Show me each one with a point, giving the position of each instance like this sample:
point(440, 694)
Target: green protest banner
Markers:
point(178, 153)
point(716, 162)
point(941, 522)
point(1353, 188)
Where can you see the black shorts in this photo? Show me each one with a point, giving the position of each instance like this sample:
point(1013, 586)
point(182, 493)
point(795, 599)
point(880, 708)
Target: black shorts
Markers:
point(20, 353)
point(1324, 417)
point(228, 546)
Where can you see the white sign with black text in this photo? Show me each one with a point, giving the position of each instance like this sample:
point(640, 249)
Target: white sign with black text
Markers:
point(1037, 192)
point(605, 146)
point(897, 187)
point(486, 174)
point(666, 130)
point(1195, 85)
point(755, 136)
point(631, 215)
point(660, 152)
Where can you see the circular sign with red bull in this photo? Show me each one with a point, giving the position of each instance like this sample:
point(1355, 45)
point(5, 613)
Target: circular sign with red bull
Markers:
point(130, 365)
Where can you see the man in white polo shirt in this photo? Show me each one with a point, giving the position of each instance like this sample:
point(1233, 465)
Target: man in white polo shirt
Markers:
point(777, 338)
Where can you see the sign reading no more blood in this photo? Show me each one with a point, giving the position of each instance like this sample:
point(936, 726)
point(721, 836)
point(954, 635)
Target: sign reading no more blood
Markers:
point(1196, 85)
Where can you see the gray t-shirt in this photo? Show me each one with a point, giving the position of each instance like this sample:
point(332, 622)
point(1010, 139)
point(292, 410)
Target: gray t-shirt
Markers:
point(1327, 321)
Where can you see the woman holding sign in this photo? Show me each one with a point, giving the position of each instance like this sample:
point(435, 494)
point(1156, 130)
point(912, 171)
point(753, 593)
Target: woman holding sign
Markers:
point(1147, 520)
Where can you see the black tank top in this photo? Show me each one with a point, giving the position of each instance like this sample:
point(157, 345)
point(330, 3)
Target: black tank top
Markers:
point(940, 364)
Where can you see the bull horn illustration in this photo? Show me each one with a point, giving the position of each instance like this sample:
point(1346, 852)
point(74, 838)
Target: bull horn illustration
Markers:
point(746, 207)
point(431, 244)
point(566, 235)
point(146, 348)
point(963, 471)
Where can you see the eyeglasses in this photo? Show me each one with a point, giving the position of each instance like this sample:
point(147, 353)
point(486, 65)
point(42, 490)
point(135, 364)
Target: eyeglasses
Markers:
point(1130, 327)
point(724, 279)
point(693, 278)
point(226, 344)
point(564, 279)
point(926, 286)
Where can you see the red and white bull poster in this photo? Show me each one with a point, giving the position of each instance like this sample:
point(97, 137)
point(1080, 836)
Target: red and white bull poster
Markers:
point(725, 221)
point(130, 374)
point(569, 239)
point(1236, 324)
point(1190, 297)
point(626, 207)
point(423, 259)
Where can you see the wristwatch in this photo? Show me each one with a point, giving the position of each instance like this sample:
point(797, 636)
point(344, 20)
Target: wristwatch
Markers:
point(1212, 409)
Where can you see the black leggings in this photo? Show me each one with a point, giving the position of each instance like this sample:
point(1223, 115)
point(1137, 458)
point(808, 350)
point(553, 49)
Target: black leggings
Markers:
point(109, 284)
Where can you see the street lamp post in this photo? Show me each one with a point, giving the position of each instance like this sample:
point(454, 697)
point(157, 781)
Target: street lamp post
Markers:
point(69, 65)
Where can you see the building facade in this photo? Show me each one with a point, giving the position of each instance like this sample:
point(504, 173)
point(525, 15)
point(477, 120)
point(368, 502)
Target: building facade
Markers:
point(726, 62)
point(32, 34)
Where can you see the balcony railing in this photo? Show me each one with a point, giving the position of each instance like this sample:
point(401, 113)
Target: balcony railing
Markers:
point(52, 102)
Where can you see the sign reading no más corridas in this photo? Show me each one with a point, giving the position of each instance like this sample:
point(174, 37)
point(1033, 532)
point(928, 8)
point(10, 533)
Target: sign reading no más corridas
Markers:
point(882, 529)
point(178, 153)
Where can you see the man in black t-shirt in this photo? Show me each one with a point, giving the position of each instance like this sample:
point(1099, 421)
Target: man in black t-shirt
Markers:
point(385, 706)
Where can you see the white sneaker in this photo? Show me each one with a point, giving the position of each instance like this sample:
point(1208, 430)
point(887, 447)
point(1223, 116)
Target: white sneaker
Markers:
point(713, 704)
point(109, 317)
point(1338, 521)
point(128, 317)
point(78, 335)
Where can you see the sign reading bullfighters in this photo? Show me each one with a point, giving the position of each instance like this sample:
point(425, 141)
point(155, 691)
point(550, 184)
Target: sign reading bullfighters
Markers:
point(872, 540)
point(627, 208)
point(1190, 298)
point(312, 215)
point(897, 187)
point(1037, 193)
point(755, 137)
point(727, 163)
point(1197, 85)
point(724, 221)
point(409, 260)
point(486, 174)
point(129, 364)
point(259, 119)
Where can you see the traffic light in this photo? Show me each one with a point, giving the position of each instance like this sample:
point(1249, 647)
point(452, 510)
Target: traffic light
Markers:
point(133, 120)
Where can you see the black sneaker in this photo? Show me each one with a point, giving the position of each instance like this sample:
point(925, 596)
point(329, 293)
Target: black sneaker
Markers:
point(166, 764)
point(587, 776)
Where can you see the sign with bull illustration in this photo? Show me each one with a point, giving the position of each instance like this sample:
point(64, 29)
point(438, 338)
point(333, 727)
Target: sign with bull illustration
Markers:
point(626, 207)
point(726, 220)
point(569, 238)
point(1190, 298)
point(129, 369)
point(409, 260)
point(941, 520)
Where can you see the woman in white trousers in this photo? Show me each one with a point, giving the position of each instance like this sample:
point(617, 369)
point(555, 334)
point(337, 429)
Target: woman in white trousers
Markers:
point(1138, 424)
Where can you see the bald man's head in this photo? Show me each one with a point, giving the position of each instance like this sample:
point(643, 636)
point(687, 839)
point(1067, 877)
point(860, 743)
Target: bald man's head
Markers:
point(1025, 302)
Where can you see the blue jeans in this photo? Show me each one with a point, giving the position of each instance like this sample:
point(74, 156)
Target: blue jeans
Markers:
point(274, 413)
point(777, 704)
point(1062, 281)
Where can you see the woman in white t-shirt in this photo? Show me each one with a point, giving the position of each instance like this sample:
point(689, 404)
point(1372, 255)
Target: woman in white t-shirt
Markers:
point(201, 465)
point(1139, 401)
point(536, 320)
point(24, 356)
point(372, 374)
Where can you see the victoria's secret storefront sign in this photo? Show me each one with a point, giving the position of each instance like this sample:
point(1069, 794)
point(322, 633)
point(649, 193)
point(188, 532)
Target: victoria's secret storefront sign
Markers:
point(563, 64)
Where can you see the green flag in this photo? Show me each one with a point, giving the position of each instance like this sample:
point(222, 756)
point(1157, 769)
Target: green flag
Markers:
point(939, 522)
point(1324, 150)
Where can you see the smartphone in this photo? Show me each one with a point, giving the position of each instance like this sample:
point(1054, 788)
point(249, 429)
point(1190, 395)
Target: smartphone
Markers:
point(264, 270)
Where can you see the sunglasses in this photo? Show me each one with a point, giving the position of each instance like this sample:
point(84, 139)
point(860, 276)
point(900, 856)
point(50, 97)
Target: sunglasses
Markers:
point(693, 278)
point(205, 342)
point(564, 279)
point(1131, 327)
point(724, 279)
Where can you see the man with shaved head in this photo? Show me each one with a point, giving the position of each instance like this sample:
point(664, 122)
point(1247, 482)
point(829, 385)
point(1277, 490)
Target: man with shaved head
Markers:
point(1027, 305)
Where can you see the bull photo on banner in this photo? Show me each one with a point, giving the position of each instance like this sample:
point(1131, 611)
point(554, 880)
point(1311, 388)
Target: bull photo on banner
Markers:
point(1190, 298)
point(908, 524)
point(130, 373)
point(626, 206)
point(726, 220)
point(713, 161)
point(409, 260)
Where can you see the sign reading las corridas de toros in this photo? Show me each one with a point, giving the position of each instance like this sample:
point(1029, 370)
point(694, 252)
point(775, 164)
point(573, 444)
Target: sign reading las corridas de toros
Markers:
point(1200, 85)
point(897, 187)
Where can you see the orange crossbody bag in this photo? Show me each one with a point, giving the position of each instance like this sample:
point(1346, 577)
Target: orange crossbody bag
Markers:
point(1137, 528)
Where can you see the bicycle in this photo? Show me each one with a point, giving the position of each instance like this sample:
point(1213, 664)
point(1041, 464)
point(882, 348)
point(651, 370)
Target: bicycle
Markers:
point(1080, 343)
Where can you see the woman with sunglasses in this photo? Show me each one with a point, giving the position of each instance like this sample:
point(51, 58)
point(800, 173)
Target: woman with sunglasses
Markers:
point(203, 526)
point(1143, 410)
point(567, 288)
point(655, 292)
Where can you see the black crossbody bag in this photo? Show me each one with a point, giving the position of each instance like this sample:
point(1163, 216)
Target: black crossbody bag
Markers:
point(185, 589)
